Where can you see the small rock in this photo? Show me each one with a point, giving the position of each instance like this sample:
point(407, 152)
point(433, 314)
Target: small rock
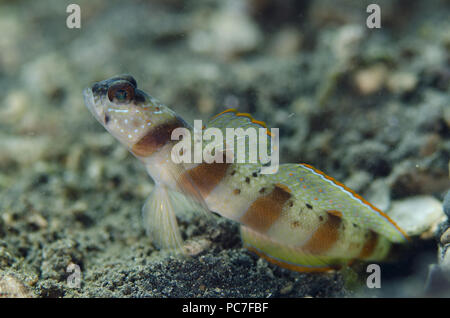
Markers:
point(78, 207)
point(286, 289)
point(445, 238)
point(96, 169)
point(37, 220)
point(358, 180)
point(11, 287)
point(402, 82)
point(7, 258)
point(15, 107)
point(195, 247)
point(409, 179)
point(287, 42)
point(229, 33)
point(14, 148)
point(446, 204)
point(347, 41)
point(379, 194)
point(370, 80)
point(416, 215)
point(206, 105)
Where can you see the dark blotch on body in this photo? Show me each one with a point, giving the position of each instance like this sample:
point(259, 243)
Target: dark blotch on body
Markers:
point(156, 138)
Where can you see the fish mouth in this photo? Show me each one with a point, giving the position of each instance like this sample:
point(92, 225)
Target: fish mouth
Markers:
point(90, 103)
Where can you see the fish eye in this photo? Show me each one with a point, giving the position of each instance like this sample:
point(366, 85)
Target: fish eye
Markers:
point(122, 91)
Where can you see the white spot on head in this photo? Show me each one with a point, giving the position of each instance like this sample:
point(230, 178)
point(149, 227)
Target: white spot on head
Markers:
point(129, 136)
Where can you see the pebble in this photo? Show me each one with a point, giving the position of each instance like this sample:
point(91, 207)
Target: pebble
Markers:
point(347, 41)
point(15, 107)
point(206, 104)
point(445, 238)
point(96, 170)
point(11, 287)
point(286, 289)
point(229, 33)
point(37, 220)
point(195, 247)
point(402, 82)
point(358, 181)
point(416, 215)
point(446, 204)
point(14, 148)
point(287, 42)
point(379, 195)
point(370, 80)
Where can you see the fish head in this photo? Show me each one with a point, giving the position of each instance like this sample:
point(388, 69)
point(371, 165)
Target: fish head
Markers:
point(127, 112)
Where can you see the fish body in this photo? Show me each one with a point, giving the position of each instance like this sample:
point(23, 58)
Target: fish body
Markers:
point(298, 218)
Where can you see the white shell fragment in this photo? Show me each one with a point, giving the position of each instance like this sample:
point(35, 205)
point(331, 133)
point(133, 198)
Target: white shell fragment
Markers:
point(418, 214)
point(12, 287)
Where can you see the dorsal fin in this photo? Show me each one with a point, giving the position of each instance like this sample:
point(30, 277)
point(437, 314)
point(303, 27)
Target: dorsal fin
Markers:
point(232, 118)
point(258, 123)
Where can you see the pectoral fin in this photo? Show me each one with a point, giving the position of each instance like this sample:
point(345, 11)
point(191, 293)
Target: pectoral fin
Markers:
point(160, 220)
